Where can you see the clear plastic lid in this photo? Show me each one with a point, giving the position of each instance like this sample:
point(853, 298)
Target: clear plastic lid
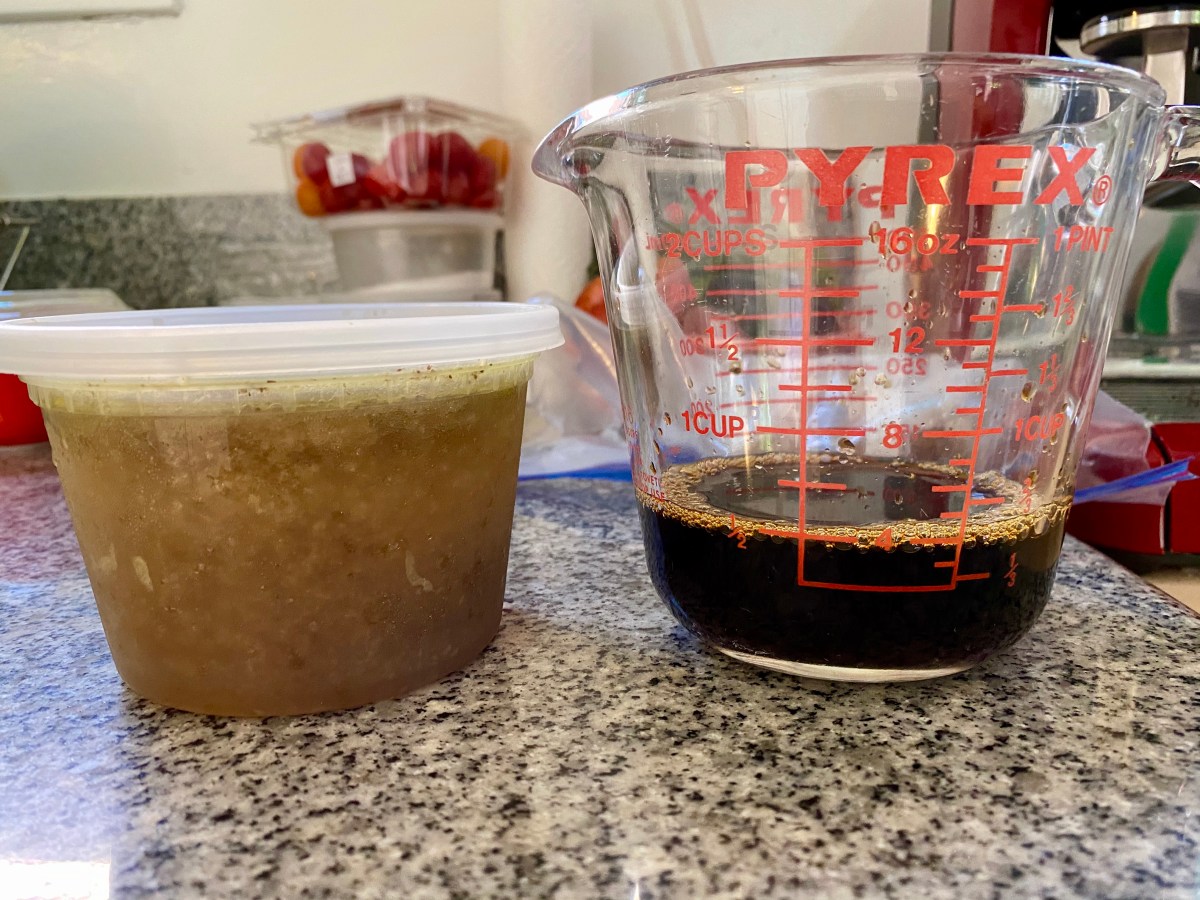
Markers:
point(223, 344)
point(446, 114)
point(26, 304)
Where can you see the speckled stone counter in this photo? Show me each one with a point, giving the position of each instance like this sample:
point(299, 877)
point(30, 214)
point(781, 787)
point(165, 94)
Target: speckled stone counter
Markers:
point(596, 750)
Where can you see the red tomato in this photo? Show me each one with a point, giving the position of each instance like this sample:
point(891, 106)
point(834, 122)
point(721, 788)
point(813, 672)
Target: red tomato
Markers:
point(20, 419)
point(591, 300)
point(486, 200)
point(483, 177)
point(456, 154)
point(309, 162)
point(457, 188)
point(410, 161)
point(353, 194)
point(379, 183)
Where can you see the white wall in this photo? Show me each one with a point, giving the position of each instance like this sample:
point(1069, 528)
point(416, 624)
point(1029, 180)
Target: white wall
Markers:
point(163, 105)
point(637, 40)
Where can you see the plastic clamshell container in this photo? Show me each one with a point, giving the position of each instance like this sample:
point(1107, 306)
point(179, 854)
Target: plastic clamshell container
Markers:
point(20, 419)
point(289, 509)
point(409, 152)
point(439, 248)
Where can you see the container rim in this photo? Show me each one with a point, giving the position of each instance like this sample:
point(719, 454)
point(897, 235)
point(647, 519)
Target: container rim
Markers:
point(224, 344)
point(579, 125)
point(369, 112)
point(479, 219)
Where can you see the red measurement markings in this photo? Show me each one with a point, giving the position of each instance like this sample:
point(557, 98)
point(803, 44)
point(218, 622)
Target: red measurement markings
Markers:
point(737, 533)
point(789, 292)
point(812, 432)
point(754, 267)
point(792, 370)
point(954, 433)
point(840, 398)
point(815, 387)
point(812, 485)
point(809, 393)
point(762, 317)
point(805, 341)
point(1002, 270)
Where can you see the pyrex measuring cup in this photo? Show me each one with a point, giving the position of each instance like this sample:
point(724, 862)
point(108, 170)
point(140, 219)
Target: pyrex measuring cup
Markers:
point(859, 307)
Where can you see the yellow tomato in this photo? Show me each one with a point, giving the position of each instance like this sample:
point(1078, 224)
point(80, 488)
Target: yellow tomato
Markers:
point(497, 151)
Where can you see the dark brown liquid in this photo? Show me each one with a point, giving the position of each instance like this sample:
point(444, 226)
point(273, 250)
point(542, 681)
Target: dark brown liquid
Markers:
point(736, 585)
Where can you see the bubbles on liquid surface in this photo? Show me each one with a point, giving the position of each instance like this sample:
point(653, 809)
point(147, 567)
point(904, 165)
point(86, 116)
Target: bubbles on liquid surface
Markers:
point(1027, 391)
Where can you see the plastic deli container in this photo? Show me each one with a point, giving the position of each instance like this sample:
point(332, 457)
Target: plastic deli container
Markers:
point(447, 248)
point(292, 509)
point(20, 419)
point(404, 153)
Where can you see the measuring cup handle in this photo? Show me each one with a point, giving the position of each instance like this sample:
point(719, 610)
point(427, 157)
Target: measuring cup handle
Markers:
point(1180, 156)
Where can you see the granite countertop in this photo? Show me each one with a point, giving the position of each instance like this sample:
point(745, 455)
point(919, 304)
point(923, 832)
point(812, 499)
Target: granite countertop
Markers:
point(596, 750)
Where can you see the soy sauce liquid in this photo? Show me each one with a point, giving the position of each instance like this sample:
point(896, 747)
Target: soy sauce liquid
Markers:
point(737, 587)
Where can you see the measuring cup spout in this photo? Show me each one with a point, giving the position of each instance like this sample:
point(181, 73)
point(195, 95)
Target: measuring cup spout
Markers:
point(550, 160)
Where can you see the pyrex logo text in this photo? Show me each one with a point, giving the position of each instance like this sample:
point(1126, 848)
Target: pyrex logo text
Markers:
point(995, 169)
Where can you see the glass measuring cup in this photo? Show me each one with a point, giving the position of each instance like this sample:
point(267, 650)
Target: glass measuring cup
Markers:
point(859, 308)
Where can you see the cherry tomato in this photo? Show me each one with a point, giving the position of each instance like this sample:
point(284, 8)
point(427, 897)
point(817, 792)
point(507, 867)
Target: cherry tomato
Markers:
point(380, 184)
point(497, 151)
point(353, 194)
point(457, 188)
point(456, 156)
point(308, 198)
point(409, 163)
point(591, 300)
point(486, 200)
point(483, 178)
point(20, 419)
point(309, 162)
